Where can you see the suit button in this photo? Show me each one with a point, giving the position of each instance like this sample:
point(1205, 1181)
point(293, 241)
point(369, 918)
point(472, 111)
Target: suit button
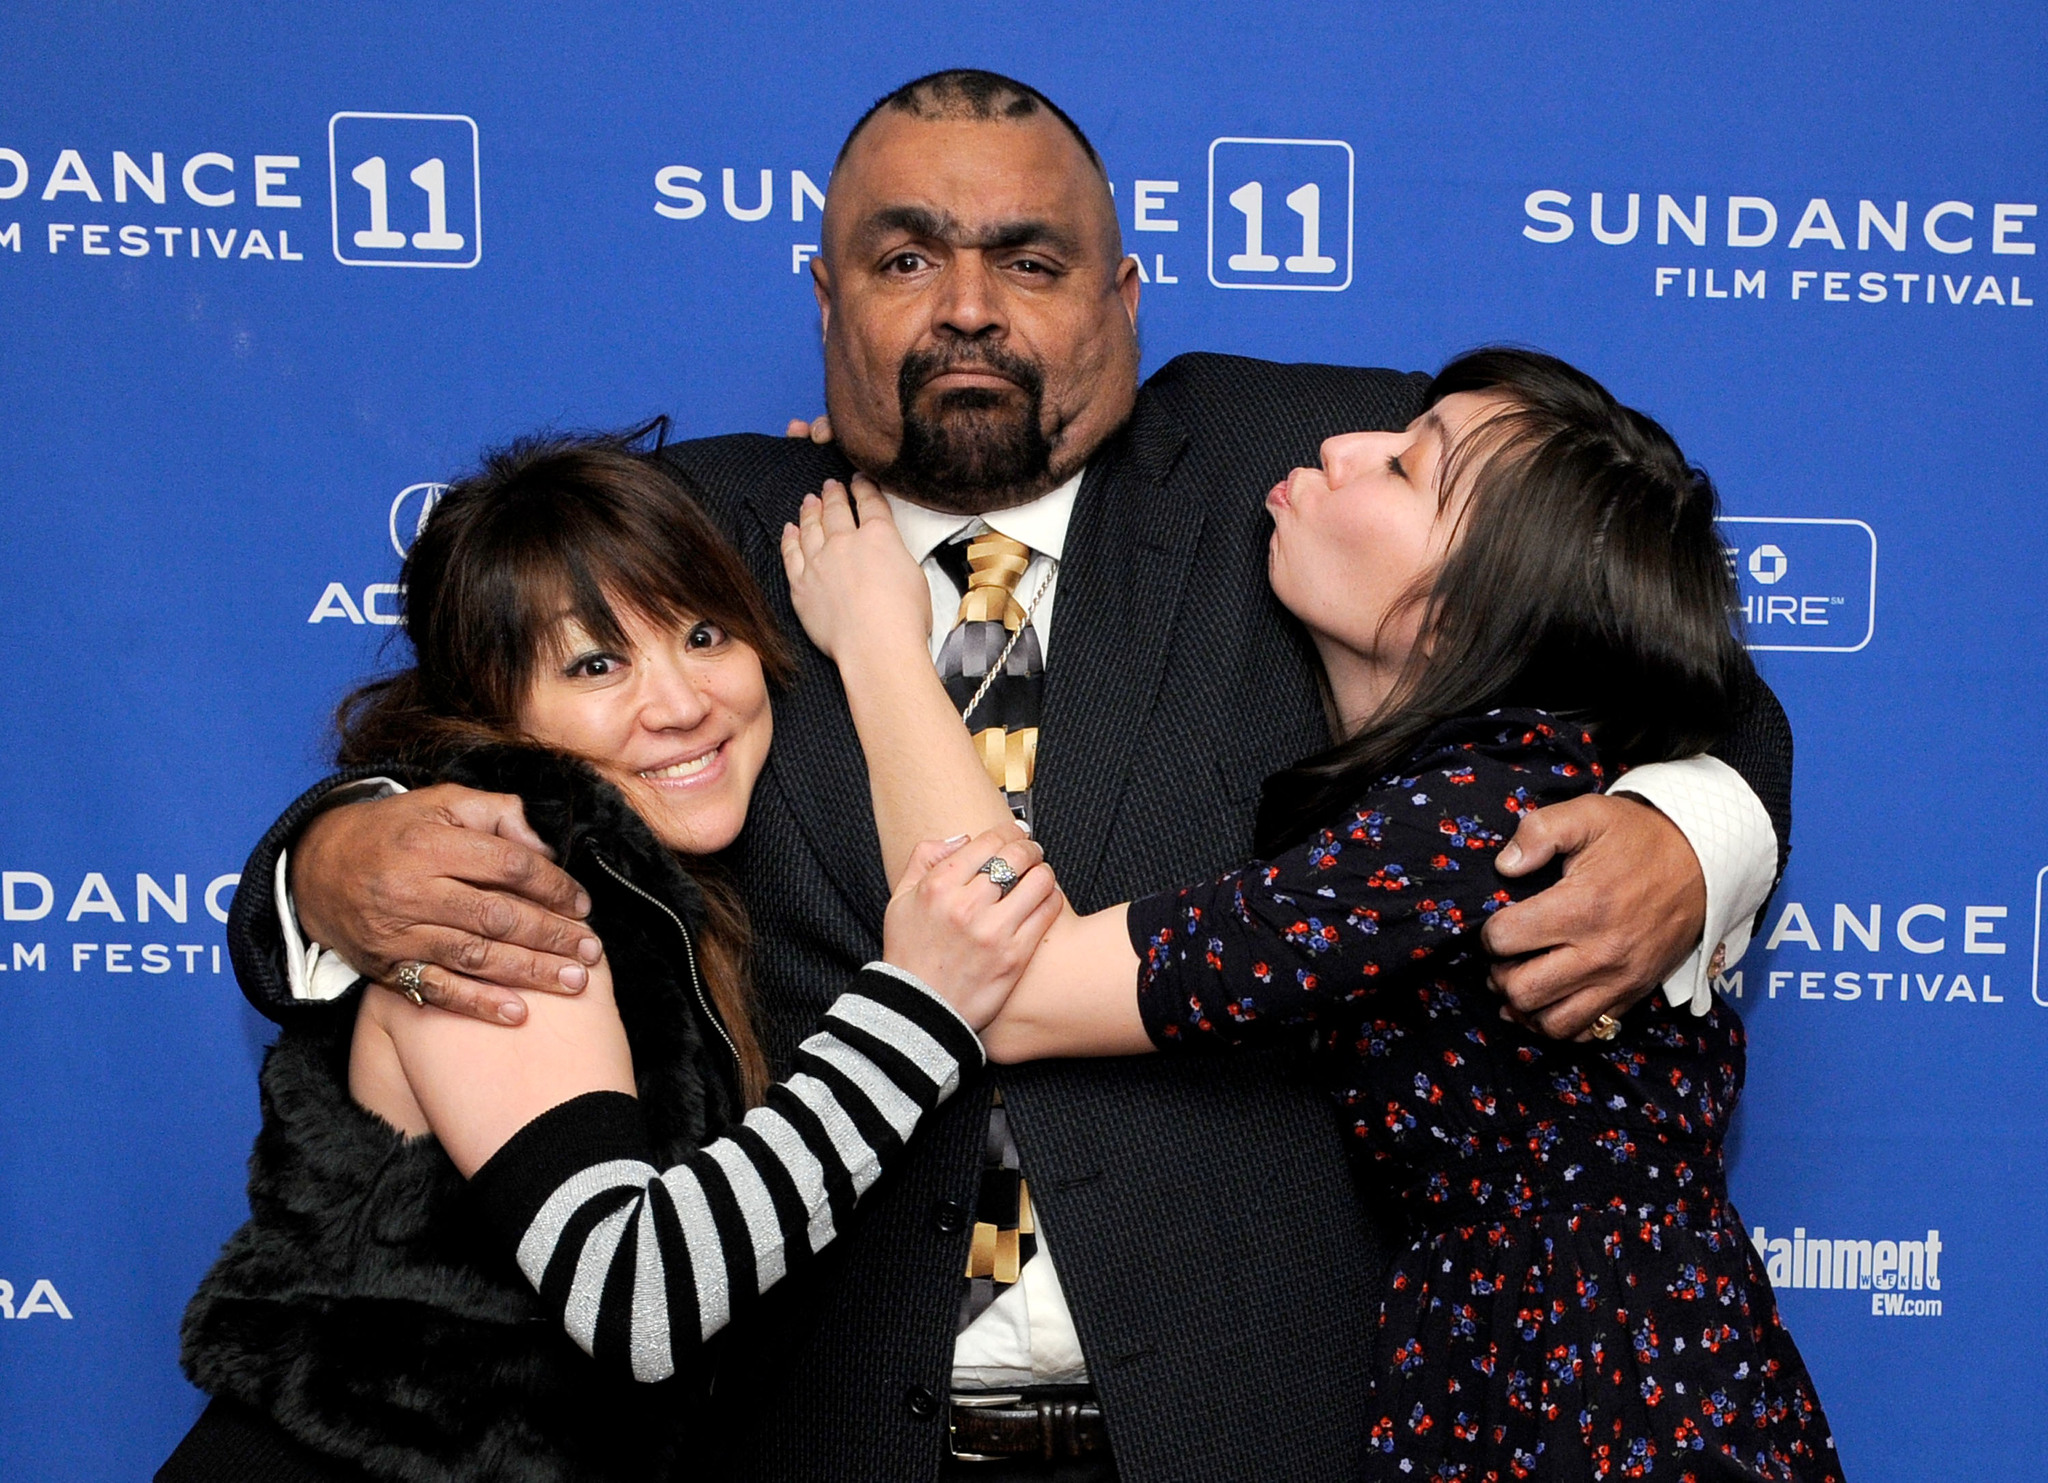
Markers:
point(949, 1217)
point(922, 1403)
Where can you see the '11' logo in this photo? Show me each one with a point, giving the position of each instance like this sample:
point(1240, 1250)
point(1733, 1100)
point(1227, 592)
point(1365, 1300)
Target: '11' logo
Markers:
point(1312, 178)
point(437, 152)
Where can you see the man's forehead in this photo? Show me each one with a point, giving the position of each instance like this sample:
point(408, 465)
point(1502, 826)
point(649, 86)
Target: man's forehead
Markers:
point(974, 170)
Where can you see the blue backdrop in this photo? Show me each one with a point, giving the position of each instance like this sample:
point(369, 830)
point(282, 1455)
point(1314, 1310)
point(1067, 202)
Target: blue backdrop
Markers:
point(1807, 242)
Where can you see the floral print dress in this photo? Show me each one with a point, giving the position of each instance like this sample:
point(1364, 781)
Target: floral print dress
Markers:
point(1577, 1298)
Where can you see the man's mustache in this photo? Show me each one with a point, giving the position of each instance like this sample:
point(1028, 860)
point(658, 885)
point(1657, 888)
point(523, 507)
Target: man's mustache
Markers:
point(922, 367)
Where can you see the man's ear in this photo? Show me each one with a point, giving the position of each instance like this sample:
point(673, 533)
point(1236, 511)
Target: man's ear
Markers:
point(1127, 286)
point(821, 290)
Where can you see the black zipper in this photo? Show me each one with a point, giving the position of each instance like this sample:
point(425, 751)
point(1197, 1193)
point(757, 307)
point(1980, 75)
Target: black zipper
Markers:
point(689, 953)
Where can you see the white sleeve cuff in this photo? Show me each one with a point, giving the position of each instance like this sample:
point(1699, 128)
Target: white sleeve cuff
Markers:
point(316, 973)
point(1730, 831)
point(904, 975)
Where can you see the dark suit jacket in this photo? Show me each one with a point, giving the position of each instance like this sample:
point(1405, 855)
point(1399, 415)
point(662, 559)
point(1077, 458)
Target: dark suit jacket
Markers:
point(1222, 1268)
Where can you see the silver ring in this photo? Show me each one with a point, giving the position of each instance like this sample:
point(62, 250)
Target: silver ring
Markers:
point(1001, 871)
point(409, 982)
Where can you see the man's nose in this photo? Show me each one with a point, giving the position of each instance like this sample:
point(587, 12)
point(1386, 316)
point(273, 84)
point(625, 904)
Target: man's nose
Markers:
point(970, 299)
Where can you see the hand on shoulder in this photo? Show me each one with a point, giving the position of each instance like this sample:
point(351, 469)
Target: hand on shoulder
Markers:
point(851, 579)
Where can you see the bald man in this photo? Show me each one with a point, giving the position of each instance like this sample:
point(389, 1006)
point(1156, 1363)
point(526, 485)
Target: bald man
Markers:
point(1048, 1287)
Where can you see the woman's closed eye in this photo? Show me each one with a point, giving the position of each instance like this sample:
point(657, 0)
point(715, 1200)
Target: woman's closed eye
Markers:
point(1394, 466)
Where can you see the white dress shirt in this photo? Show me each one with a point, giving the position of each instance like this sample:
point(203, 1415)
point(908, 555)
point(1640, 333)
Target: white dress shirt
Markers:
point(1027, 1335)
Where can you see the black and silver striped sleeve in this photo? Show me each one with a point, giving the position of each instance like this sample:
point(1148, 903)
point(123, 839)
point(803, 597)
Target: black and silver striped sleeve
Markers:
point(642, 1264)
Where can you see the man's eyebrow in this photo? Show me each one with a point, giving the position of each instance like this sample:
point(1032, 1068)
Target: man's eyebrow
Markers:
point(917, 221)
point(1026, 233)
point(922, 221)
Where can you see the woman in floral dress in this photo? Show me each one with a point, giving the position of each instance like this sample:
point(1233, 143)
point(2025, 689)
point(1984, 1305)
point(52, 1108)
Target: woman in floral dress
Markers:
point(1515, 599)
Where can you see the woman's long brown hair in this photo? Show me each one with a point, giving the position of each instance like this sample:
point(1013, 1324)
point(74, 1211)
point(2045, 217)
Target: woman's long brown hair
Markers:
point(548, 527)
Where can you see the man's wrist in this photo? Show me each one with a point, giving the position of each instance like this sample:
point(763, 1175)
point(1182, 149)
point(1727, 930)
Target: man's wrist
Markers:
point(315, 973)
point(1736, 847)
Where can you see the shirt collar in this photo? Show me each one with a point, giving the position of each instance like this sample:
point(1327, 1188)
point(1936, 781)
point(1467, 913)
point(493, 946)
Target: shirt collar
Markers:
point(1040, 524)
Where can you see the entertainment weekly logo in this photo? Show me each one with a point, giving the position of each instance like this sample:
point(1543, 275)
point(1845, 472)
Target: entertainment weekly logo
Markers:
point(1901, 1276)
point(404, 190)
point(1878, 254)
point(1257, 213)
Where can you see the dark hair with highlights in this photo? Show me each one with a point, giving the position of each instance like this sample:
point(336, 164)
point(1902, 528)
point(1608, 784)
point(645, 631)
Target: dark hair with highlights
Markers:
point(550, 526)
point(1588, 580)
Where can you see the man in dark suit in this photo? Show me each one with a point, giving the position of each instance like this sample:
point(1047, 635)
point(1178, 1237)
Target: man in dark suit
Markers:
point(1202, 1297)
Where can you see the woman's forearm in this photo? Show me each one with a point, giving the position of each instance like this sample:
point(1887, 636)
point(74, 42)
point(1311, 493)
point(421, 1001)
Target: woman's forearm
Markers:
point(1079, 997)
point(925, 778)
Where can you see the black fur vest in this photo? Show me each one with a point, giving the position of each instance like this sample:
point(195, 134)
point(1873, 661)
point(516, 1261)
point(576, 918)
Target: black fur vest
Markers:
point(364, 1309)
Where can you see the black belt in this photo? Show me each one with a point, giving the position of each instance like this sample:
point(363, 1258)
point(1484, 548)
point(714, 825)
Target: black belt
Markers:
point(1052, 1423)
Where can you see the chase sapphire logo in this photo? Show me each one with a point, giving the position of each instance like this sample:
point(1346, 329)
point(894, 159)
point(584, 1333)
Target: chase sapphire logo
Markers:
point(1805, 584)
point(1280, 214)
point(406, 190)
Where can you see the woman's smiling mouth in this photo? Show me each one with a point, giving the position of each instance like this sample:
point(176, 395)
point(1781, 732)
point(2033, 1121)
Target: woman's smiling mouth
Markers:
point(689, 770)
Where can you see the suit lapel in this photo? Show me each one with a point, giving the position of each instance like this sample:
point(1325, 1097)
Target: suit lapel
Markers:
point(1126, 560)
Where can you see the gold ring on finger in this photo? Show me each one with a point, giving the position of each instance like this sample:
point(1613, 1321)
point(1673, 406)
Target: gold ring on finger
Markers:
point(1606, 1027)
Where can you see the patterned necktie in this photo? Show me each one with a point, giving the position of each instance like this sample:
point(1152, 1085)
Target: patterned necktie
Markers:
point(1004, 722)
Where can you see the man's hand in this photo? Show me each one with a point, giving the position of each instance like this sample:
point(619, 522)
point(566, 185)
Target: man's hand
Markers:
point(1631, 907)
point(452, 878)
point(818, 429)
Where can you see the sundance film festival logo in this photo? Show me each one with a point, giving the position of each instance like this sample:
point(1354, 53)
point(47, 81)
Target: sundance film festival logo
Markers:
point(2040, 881)
point(406, 190)
point(207, 203)
point(1898, 961)
point(1804, 584)
point(1915, 256)
point(1280, 214)
point(97, 906)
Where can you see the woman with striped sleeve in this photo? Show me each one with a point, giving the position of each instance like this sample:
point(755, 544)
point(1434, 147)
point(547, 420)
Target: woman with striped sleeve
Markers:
point(449, 1221)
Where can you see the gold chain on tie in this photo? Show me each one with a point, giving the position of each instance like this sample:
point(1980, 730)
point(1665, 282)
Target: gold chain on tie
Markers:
point(995, 565)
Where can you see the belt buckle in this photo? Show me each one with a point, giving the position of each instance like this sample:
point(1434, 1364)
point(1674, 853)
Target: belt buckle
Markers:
point(978, 1398)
